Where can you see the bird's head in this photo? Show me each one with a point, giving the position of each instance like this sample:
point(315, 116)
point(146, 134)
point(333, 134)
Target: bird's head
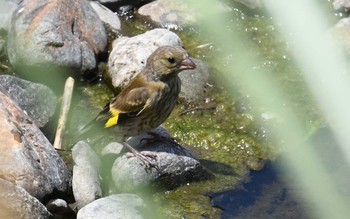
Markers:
point(168, 61)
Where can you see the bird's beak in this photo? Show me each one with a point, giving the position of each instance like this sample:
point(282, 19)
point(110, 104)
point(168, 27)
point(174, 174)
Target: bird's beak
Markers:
point(187, 63)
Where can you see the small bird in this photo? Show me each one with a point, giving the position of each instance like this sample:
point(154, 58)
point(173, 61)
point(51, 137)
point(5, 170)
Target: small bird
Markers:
point(147, 101)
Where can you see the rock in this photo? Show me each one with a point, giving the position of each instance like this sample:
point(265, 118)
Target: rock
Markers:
point(15, 202)
point(194, 82)
point(340, 34)
point(37, 100)
point(341, 4)
point(112, 148)
point(146, 142)
point(6, 10)
point(27, 158)
point(60, 209)
point(168, 13)
point(107, 16)
point(129, 174)
point(175, 165)
point(129, 54)
point(86, 181)
point(126, 206)
point(252, 4)
point(42, 36)
point(56, 204)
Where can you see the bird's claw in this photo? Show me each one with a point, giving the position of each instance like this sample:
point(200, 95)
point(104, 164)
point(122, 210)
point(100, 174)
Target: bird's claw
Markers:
point(147, 157)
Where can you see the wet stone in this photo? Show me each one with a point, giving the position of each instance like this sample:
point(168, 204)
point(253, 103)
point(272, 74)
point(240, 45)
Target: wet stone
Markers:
point(126, 206)
point(37, 100)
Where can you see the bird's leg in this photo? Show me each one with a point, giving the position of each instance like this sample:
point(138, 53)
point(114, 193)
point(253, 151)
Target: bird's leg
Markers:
point(146, 158)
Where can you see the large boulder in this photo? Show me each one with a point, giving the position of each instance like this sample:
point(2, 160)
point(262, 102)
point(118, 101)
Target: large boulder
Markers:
point(175, 165)
point(66, 33)
point(27, 159)
point(15, 202)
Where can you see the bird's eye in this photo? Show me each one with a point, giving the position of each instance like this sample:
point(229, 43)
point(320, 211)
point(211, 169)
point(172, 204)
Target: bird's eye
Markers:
point(171, 60)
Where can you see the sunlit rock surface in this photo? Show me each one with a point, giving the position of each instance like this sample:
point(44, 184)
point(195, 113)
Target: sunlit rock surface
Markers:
point(42, 36)
point(127, 206)
point(86, 181)
point(36, 100)
point(15, 202)
point(27, 158)
point(129, 54)
point(107, 16)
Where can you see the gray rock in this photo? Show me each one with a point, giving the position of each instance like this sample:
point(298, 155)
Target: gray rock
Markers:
point(112, 148)
point(27, 158)
point(130, 174)
point(194, 82)
point(129, 54)
point(107, 16)
point(86, 178)
point(15, 202)
point(168, 13)
point(341, 4)
point(42, 36)
point(60, 209)
point(56, 204)
point(175, 165)
point(123, 206)
point(252, 4)
point(146, 142)
point(37, 100)
point(340, 34)
point(6, 10)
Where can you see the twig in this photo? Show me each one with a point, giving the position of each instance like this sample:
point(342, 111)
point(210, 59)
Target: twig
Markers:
point(4, 66)
point(204, 45)
point(67, 97)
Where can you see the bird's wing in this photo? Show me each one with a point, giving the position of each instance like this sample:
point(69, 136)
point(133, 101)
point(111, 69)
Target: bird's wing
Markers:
point(130, 100)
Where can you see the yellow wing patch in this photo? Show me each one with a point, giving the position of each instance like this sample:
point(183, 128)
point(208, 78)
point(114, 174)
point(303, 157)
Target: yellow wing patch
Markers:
point(114, 118)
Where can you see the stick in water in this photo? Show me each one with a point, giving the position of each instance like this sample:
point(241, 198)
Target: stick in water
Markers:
point(67, 97)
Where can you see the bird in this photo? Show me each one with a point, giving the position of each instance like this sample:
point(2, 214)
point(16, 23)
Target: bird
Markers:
point(148, 100)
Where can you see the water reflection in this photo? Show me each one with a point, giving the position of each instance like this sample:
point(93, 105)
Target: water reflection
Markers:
point(265, 196)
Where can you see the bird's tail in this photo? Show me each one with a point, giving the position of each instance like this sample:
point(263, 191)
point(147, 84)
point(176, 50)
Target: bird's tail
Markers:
point(94, 127)
point(90, 130)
